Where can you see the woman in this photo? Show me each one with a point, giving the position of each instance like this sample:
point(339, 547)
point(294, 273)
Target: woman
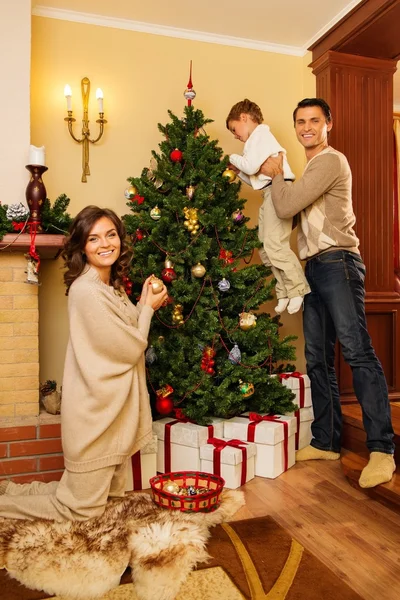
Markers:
point(105, 415)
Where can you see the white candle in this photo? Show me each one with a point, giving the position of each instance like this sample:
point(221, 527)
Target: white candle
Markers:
point(99, 96)
point(68, 95)
point(37, 156)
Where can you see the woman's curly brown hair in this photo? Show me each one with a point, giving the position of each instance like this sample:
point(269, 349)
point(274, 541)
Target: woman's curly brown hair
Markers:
point(74, 247)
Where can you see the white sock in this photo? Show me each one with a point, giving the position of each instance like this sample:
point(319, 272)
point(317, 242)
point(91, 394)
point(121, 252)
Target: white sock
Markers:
point(295, 304)
point(281, 306)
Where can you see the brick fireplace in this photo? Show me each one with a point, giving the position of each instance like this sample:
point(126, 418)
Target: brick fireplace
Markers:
point(30, 445)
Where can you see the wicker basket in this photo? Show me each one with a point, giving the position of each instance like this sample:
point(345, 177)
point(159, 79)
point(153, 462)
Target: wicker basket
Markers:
point(206, 502)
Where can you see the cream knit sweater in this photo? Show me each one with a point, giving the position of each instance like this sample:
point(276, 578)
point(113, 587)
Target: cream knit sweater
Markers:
point(105, 413)
point(323, 198)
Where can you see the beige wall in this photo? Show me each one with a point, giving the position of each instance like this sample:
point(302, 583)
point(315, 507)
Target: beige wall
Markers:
point(15, 41)
point(142, 76)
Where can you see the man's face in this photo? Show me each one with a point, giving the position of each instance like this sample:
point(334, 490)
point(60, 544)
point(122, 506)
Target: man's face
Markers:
point(312, 127)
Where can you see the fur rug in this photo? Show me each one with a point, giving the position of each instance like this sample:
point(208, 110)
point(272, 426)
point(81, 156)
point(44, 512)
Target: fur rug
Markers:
point(84, 560)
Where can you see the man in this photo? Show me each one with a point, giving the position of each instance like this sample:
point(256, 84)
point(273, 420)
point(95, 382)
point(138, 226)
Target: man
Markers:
point(335, 306)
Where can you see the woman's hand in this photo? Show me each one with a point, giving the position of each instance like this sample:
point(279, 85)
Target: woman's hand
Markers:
point(272, 166)
point(145, 288)
point(152, 299)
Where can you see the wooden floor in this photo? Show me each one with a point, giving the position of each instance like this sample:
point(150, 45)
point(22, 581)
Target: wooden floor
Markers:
point(355, 536)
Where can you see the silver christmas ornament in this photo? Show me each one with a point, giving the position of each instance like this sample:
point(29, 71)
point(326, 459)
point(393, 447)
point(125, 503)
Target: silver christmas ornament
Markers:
point(224, 285)
point(150, 356)
point(235, 355)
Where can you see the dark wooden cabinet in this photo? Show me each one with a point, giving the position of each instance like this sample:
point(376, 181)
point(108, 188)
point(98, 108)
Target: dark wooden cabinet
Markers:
point(354, 71)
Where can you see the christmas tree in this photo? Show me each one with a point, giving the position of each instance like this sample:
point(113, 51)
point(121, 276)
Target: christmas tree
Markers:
point(209, 354)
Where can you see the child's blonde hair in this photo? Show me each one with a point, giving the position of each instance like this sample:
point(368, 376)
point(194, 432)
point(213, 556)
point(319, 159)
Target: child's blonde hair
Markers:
point(245, 106)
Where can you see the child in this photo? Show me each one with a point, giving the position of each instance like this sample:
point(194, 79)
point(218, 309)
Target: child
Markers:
point(244, 121)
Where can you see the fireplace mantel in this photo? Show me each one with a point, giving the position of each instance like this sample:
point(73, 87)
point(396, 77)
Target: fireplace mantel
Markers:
point(47, 244)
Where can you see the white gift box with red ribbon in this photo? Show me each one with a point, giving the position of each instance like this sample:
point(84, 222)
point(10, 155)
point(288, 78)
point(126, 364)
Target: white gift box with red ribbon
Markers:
point(234, 460)
point(304, 418)
point(274, 436)
point(142, 466)
point(299, 384)
point(179, 443)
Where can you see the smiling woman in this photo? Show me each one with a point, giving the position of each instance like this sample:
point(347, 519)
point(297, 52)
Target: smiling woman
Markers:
point(105, 414)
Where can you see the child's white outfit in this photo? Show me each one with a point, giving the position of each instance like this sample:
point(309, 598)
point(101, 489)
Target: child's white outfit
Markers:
point(273, 232)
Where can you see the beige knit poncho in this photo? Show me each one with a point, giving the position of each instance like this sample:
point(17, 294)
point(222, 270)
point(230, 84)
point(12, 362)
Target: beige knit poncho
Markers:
point(105, 413)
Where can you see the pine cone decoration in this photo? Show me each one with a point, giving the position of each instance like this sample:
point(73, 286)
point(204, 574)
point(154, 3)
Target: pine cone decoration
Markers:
point(17, 212)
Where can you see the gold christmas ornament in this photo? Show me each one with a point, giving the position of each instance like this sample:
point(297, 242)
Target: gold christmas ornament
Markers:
point(229, 174)
point(156, 285)
point(155, 213)
point(130, 192)
point(190, 191)
point(177, 316)
point(191, 220)
point(198, 270)
point(150, 173)
point(247, 321)
point(246, 389)
point(161, 339)
point(171, 487)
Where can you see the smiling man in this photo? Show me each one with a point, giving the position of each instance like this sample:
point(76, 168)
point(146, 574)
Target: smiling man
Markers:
point(335, 307)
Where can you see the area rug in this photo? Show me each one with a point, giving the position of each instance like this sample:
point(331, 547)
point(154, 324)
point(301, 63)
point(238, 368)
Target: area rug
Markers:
point(254, 559)
point(85, 560)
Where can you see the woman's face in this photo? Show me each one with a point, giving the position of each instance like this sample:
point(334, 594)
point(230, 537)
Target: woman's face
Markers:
point(103, 246)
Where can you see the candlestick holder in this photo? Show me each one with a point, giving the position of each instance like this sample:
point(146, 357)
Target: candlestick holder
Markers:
point(85, 139)
point(36, 194)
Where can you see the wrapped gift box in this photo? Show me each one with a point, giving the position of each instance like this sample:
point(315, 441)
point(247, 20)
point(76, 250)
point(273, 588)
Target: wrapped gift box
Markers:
point(274, 454)
point(179, 443)
point(304, 418)
point(299, 384)
point(226, 458)
point(142, 466)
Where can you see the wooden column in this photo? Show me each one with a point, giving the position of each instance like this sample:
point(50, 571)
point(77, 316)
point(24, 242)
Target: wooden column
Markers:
point(359, 90)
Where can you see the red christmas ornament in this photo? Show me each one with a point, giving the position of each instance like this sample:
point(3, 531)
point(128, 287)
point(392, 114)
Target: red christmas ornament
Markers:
point(127, 285)
point(168, 275)
point(176, 155)
point(164, 406)
point(138, 199)
point(207, 361)
point(139, 234)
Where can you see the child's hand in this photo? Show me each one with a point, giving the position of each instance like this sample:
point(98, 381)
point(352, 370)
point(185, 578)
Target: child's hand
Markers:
point(233, 168)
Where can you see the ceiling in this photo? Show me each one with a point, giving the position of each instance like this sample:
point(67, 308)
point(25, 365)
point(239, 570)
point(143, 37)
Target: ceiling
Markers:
point(289, 26)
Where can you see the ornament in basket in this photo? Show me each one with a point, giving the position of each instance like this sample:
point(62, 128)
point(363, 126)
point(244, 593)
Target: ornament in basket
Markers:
point(187, 491)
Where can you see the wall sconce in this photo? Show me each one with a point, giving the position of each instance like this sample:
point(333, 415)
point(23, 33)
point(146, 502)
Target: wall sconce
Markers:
point(85, 140)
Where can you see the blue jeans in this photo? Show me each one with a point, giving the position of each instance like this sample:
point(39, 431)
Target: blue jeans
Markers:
point(335, 309)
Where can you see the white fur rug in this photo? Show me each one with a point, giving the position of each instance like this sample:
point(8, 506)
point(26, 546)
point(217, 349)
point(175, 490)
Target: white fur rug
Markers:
point(84, 560)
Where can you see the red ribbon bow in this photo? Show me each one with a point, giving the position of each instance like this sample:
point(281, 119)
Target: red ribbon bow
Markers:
point(219, 445)
point(255, 419)
point(300, 377)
